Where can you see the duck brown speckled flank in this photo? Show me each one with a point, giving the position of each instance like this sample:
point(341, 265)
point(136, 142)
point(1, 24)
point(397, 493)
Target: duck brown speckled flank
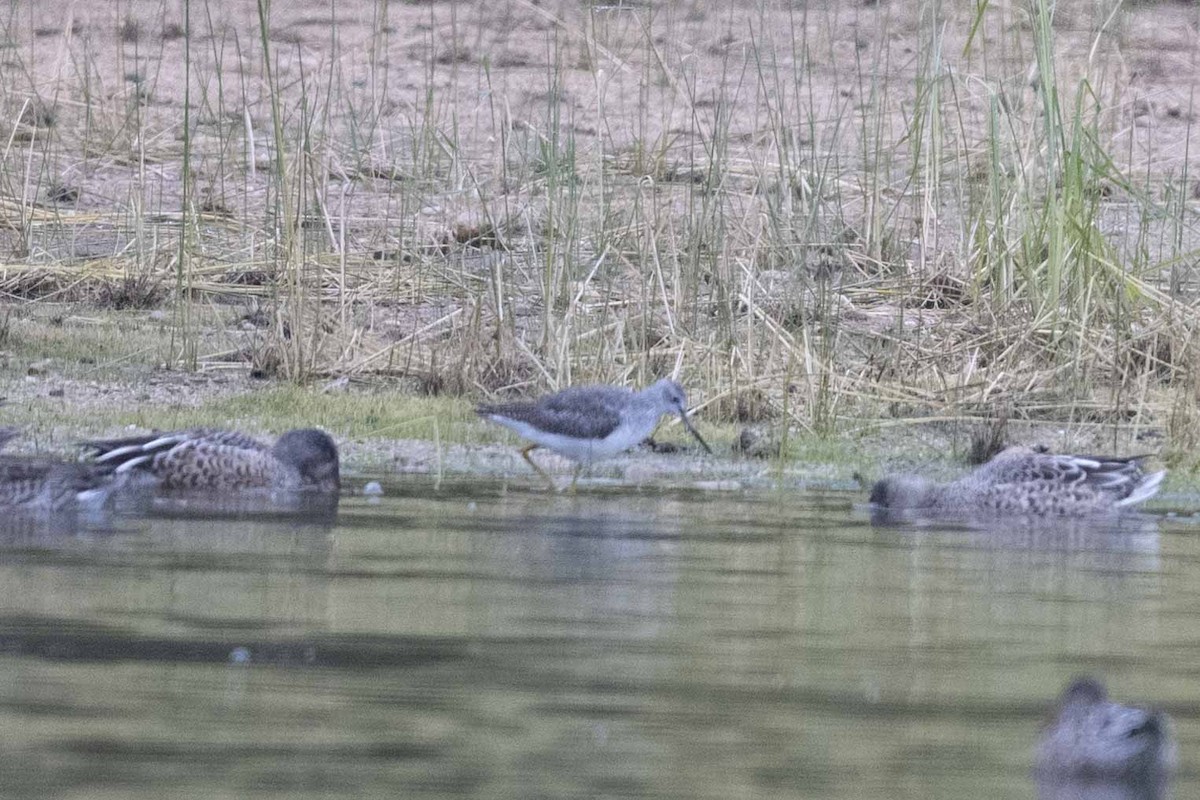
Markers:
point(213, 460)
point(1022, 481)
point(1095, 739)
point(46, 484)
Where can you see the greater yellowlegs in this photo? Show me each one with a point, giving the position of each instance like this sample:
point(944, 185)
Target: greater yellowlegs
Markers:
point(589, 423)
point(46, 484)
point(214, 460)
point(1022, 481)
point(1095, 738)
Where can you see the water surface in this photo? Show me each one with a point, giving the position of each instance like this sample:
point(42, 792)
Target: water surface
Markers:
point(464, 640)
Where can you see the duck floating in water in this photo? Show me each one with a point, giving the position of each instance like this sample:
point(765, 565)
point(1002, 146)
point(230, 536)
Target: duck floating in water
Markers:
point(1023, 481)
point(1093, 739)
point(217, 460)
point(35, 483)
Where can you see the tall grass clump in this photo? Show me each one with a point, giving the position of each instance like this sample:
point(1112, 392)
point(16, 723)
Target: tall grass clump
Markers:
point(827, 216)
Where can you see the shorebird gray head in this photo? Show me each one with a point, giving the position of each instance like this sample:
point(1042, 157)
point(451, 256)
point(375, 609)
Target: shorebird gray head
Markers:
point(902, 491)
point(313, 454)
point(673, 400)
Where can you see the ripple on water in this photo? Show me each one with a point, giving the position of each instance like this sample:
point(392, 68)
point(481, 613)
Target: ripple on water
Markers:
point(452, 639)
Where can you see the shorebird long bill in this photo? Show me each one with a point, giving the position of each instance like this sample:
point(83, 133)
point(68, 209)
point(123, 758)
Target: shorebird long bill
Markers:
point(687, 423)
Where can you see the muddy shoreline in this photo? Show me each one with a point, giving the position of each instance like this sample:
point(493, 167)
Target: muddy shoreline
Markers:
point(440, 436)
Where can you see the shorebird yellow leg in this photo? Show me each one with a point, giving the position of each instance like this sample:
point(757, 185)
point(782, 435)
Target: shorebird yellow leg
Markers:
point(575, 477)
point(525, 451)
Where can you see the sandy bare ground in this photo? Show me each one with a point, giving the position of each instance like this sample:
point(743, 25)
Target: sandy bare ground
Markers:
point(430, 149)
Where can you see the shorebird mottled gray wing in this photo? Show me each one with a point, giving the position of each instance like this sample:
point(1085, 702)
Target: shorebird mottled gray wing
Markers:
point(582, 412)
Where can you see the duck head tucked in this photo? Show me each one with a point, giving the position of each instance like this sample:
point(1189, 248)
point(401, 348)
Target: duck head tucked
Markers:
point(903, 491)
point(314, 455)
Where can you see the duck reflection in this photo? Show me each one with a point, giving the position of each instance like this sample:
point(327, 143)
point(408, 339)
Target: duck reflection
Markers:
point(303, 508)
point(21, 528)
point(1131, 538)
point(1017, 529)
point(602, 566)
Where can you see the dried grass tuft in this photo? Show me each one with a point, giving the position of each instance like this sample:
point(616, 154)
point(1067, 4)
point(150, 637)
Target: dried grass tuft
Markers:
point(815, 248)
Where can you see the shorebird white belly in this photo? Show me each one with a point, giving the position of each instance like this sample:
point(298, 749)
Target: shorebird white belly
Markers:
point(581, 450)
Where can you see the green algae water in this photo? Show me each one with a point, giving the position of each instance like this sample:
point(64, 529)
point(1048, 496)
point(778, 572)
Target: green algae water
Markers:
point(462, 640)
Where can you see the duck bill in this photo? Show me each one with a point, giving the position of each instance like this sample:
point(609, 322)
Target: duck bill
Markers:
point(687, 423)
